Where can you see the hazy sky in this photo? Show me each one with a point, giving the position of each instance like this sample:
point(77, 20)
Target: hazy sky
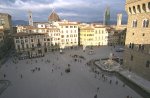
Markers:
point(73, 10)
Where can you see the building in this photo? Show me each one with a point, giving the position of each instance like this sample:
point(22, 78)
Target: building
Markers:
point(87, 36)
point(100, 35)
point(5, 21)
point(31, 45)
point(1, 35)
point(116, 37)
point(93, 35)
point(25, 29)
point(107, 17)
point(137, 54)
point(5, 32)
point(69, 33)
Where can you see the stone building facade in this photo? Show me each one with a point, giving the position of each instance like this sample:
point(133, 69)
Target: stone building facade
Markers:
point(93, 35)
point(137, 54)
point(32, 45)
point(5, 20)
point(5, 32)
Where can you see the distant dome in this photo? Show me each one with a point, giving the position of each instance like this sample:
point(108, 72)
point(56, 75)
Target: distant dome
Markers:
point(53, 17)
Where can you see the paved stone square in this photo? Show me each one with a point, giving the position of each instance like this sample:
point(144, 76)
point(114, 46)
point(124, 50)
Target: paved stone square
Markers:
point(46, 77)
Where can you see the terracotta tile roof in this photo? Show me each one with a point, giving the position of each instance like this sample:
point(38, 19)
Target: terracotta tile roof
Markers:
point(53, 17)
point(27, 34)
point(87, 28)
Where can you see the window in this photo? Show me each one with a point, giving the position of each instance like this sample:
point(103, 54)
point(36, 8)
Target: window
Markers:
point(17, 41)
point(32, 45)
point(147, 64)
point(134, 9)
point(62, 36)
point(31, 40)
point(132, 33)
point(130, 11)
point(22, 42)
point(27, 46)
point(144, 7)
point(2, 22)
point(23, 46)
point(18, 47)
point(45, 44)
point(139, 9)
point(145, 23)
point(134, 23)
point(143, 34)
point(26, 40)
point(48, 39)
point(74, 31)
point(96, 32)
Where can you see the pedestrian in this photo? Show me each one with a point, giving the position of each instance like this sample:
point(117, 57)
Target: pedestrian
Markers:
point(39, 69)
point(97, 89)
point(95, 96)
point(21, 76)
point(128, 96)
point(110, 81)
point(4, 75)
point(123, 85)
point(116, 82)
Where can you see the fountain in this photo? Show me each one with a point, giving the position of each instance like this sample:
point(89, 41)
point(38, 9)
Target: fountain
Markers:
point(108, 64)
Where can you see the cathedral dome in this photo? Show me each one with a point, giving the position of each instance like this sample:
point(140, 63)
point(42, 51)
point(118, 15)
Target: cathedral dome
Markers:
point(53, 17)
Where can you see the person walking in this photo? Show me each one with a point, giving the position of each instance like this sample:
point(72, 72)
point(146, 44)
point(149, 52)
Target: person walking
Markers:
point(95, 96)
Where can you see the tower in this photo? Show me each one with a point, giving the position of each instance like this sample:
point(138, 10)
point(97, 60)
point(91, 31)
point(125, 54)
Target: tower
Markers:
point(119, 19)
point(107, 16)
point(30, 18)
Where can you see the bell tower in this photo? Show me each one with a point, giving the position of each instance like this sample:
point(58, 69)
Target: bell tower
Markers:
point(30, 18)
point(119, 19)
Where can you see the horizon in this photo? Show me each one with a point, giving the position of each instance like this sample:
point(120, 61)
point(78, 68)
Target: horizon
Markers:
point(83, 11)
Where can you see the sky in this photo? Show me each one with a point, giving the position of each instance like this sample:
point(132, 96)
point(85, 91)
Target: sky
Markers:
point(73, 10)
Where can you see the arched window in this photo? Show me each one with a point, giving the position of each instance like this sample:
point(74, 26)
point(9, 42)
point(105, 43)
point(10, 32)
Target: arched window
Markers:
point(144, 7)
point(134, 9)
point(130, 11)
point(139, 9)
